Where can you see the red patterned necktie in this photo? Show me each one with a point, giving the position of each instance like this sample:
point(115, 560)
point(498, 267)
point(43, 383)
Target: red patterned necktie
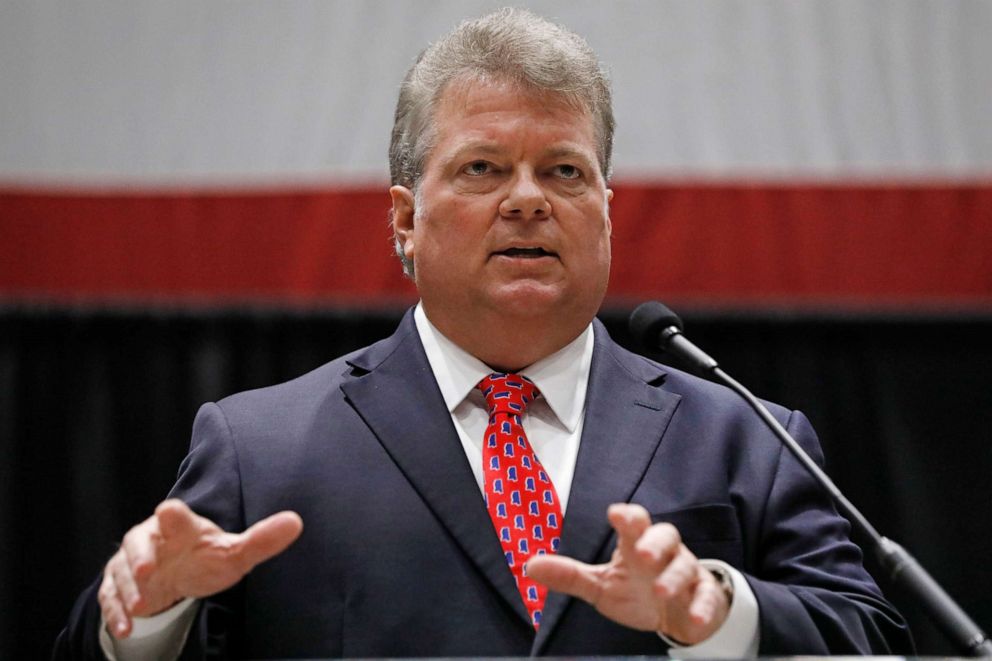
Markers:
point(519, 495)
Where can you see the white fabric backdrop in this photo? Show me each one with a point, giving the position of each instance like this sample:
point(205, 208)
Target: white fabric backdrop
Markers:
point(266, 93)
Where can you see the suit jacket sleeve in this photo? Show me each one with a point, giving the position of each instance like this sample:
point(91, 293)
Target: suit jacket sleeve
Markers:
point(812, 590)
point(210, 484)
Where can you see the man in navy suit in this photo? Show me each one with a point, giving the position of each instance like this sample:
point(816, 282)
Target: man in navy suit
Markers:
point(359, 486)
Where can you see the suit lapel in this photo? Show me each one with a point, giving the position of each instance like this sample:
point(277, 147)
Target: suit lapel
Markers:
point(625, 417)
point(400, 402)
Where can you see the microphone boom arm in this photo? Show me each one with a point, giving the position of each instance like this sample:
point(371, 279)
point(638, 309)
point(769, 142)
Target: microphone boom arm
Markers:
point(903, 569)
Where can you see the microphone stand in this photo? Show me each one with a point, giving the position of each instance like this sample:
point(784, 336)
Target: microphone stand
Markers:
point(903, 569)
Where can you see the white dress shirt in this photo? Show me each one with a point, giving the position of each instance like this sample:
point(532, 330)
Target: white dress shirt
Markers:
point(553, 424)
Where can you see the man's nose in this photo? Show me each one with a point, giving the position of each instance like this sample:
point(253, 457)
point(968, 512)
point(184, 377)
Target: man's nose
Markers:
point(525, 198)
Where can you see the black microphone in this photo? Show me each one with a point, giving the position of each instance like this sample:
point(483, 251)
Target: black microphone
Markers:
point(656, 326)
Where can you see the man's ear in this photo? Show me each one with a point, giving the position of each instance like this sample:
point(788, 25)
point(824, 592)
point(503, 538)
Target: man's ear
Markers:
point(402, 218)
point(609, 220)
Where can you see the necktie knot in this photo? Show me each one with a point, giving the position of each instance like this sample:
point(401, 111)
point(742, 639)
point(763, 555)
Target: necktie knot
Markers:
point(508, 393)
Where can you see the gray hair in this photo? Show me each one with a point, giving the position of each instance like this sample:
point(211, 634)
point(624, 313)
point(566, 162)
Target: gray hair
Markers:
point(507, 45)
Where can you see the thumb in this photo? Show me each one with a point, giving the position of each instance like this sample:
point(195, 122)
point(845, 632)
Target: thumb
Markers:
point(563, 574)
point(269, 537)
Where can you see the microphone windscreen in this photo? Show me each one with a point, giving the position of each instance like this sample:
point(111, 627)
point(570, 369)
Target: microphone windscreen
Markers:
point(649, 319)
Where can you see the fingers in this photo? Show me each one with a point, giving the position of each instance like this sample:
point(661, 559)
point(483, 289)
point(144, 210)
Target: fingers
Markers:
point(177, 553)
point(267, 538)
point(705, 612)
point(566, 575)
point(112, 607)
point(653, 582)
point(708, 601)
point(135, 570)
point(139, 548)
point(630, 521)
point(679, 575)
point(124, 583)
point(674, 570)
point(651, 549)
point(657, 548)
point(175, 519)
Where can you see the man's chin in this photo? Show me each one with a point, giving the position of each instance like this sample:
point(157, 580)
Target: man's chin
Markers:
point(530, 298)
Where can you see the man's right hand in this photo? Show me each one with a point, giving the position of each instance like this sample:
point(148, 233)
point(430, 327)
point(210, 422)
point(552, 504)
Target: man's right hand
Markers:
point(175, 554)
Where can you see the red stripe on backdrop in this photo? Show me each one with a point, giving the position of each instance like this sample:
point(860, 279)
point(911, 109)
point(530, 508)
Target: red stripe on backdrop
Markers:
point(889, 244)
point(738, 244)
point(301, 246)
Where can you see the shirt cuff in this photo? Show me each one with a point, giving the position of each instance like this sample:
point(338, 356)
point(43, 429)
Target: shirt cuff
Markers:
point(738, 636)
point(160, 636)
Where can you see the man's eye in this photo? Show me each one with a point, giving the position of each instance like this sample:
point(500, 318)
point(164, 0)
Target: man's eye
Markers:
point(567, 171)
point(477, 168)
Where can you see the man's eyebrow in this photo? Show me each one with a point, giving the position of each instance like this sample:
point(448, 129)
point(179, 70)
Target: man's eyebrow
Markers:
point(483, 148)
point(568, 152)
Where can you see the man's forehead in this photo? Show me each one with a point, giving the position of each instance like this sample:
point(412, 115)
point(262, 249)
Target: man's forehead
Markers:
point(454, 133)
point(464, 93)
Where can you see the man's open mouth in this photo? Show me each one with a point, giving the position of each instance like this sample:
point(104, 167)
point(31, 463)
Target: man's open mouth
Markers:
point(526, 252)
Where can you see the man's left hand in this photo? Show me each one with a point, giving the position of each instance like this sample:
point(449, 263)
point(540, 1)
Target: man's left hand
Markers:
point(652, 583)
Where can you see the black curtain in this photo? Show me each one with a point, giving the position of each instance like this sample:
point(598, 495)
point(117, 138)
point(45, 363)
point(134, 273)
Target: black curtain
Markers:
point(96, 407)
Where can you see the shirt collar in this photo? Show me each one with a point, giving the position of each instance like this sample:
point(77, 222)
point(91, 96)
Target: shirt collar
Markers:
point(562, 377)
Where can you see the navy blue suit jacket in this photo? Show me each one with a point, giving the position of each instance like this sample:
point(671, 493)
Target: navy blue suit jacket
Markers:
point(398, 556)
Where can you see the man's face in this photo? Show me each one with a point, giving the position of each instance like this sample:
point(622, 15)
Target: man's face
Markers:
point(512, 212)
